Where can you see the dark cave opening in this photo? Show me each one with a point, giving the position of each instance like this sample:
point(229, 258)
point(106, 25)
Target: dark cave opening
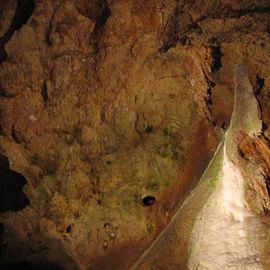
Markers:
point(12, 197)
point(149, 129)
point(257, 91)
point(44, 93)
point(149, 200)
point(69, 229)
point(259, 85)
point(217, 55)
point(23, 12)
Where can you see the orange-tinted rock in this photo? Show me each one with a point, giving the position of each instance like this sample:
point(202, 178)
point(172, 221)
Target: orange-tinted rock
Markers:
point(104, 103)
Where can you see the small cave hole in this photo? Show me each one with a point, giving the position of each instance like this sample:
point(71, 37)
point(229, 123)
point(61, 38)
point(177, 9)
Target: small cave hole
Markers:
point(217, 55)
point(149, 129)
point(12, 197)
point(44, 93)
point(3, 92)
point(69, 228)
point(259, 85)
point(149, 200)
point(258, 88)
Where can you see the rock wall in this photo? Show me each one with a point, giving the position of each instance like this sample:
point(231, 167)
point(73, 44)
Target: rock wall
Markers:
point(110, 111)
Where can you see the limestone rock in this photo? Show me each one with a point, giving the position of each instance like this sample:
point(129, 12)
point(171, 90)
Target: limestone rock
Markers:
point(105, 104)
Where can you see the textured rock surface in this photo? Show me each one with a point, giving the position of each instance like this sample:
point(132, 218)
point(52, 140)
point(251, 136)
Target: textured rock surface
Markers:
point(111, 111)
point(216, 228)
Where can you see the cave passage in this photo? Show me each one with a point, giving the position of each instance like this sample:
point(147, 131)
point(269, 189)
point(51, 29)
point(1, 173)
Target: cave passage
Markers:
point(12, 197)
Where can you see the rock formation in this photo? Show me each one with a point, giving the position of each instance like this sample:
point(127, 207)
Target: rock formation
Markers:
point(110, 114)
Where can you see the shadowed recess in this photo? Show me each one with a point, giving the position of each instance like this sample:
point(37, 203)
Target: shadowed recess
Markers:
point(149, 200)
point(217, 55)
point(12, 197)
point(32, 266)
point(24, 11)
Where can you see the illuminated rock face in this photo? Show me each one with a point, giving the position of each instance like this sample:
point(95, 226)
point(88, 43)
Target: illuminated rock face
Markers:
point(110, 111)
point(228, 234)
point(216, 228)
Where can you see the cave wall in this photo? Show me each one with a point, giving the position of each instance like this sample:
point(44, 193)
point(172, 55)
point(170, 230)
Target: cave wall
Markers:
point(111, 111)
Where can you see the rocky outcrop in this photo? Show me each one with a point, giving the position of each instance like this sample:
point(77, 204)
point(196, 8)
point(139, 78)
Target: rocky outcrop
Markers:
point(111, 111)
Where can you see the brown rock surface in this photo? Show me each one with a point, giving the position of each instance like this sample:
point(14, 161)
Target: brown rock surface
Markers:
point(111, 111)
